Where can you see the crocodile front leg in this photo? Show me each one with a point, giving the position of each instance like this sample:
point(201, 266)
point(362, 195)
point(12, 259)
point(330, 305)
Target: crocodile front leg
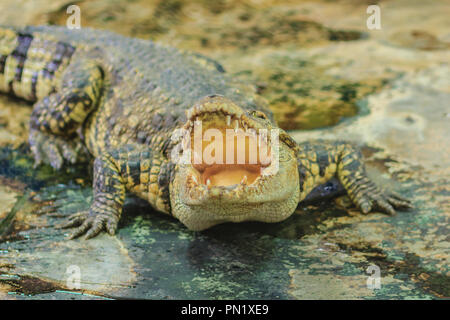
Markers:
point(321, 161)
point(129, 168)
point(56, 117)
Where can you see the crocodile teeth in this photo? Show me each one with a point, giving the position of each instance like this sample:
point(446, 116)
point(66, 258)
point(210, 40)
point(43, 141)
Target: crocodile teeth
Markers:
point(228, 120)
point(244, 180)
point(263, 136)
point(236, 126)
point(194, 179)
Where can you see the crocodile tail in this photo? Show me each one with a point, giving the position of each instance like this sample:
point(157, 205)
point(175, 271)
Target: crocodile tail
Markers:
point(30, 63)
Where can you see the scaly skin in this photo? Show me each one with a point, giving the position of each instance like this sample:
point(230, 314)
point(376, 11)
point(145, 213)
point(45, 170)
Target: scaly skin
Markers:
point(124, 100)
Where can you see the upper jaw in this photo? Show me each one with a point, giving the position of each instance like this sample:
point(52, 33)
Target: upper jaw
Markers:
point(232, 116)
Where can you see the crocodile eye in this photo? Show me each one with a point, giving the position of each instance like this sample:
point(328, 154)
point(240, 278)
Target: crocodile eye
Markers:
point(259, 114)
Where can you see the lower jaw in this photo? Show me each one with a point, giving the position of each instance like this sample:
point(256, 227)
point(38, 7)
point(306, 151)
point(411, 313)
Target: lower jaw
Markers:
point(217, 176)
point(230, 183)
point(198, 223)
point(212, 212)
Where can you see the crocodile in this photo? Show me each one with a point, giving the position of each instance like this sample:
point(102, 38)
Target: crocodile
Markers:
point(133, 106)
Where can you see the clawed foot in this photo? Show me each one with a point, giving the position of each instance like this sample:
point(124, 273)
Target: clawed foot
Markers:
point(54, 150)
point(90, 224)
point(373, 198)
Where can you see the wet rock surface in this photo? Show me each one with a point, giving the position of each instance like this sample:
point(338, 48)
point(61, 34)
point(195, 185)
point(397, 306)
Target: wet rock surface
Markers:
point(386, 90)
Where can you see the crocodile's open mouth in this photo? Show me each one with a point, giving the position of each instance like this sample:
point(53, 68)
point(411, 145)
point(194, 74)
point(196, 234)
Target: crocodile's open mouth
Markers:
point(228, 151)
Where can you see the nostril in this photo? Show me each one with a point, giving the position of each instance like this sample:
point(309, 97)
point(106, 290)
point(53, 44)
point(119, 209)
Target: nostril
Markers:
point(214, 95)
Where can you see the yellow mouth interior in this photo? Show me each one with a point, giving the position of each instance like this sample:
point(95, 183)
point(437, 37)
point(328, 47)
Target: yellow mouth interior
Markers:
point(224, 175)
point(229, 155)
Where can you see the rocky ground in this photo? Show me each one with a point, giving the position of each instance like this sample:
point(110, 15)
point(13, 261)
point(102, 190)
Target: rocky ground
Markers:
point(326, 75)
